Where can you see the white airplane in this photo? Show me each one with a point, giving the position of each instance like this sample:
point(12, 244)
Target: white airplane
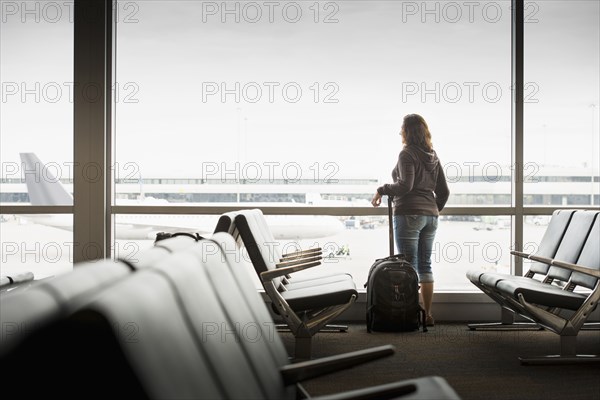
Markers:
point(44, 189)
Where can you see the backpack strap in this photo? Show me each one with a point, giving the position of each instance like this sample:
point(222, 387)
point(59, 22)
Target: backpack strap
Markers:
point(194, 235)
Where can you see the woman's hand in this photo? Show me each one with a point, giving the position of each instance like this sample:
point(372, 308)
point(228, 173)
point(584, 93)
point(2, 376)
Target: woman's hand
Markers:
point(376, 201)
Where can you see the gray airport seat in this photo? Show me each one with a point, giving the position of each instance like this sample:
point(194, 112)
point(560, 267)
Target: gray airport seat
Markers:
point(306, 308)
point(154, 330)
point(224, 271)
point(129, 340)
point(34, 337)
point(140, 326)
point(162, 248)
point(553, 303)
point(229, 271)
point(561, 310)
point(23, 312)
point(206, 282)
point(563, 238)
point(233, 335)
point(9, 281)
point(225, 244)
point(147, 257)
point(45, 301)
point(547, 248)
point(271, 255)
point(265, 255)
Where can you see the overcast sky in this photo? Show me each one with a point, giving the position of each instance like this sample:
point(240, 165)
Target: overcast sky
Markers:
point(373, 59)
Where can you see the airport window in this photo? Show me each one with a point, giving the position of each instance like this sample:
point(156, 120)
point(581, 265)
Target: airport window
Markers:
point(561, 105)
point(41, 244)
point(225, 104)
point(302, 105)
point(253, 99)
point(36, 74)
point(36, 136)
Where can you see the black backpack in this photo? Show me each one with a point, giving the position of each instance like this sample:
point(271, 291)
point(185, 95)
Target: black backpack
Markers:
point(393, 292)
point(393, 296)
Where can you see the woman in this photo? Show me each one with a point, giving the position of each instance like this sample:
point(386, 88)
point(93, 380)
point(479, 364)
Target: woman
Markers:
point(420, 192)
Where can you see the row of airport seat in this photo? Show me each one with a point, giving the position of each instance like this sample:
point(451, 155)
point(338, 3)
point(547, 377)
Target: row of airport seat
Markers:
point(185, 321)
point(561, 288)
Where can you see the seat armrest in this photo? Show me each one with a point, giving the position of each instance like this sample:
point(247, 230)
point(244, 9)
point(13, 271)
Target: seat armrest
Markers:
point(541, 259)
point(574, 267)
point(520, 254)
point(302, 257)
point(298, 372)
point(274, 273)
point(426, 388)
point(302, 253)
point(291, 263)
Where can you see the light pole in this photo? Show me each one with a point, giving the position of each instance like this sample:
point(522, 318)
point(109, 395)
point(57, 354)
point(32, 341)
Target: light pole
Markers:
point(239, 145)
point(545, 144)
point(239, 132)
point(245, 158)
point(593, 107)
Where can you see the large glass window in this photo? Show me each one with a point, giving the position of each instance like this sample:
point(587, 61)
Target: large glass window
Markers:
point(252, 104)
point(36, 74)
point(292, 98)
point(41, 244)
point(562, 103)
point(36, 134)
point(301, 103)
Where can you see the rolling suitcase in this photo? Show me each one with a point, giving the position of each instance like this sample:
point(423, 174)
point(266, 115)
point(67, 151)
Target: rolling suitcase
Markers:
point(393, 292)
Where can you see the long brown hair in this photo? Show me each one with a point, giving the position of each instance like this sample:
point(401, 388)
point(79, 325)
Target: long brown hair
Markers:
point(415, 131)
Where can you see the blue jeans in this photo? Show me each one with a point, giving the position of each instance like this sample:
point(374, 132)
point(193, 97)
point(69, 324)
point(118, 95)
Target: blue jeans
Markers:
point(414, 238)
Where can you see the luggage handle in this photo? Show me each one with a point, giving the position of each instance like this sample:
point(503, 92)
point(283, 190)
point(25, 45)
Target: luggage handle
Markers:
point(391, 225)
point(391, 230)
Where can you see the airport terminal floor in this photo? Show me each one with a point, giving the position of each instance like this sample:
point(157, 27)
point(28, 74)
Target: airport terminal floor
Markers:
point(478, 365)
